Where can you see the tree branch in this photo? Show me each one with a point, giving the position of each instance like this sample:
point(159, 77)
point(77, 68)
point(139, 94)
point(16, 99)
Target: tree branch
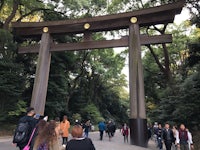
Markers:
point(162, 31)
point(156, 59)
point(12, 15)
point(31, 12)
point(82, 70)
point(2, 3)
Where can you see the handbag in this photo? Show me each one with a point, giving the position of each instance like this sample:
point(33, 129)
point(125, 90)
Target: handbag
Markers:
point(27, 147)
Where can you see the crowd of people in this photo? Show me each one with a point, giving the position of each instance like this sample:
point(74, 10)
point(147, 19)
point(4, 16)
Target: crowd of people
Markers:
point(34, 133)
point(173, 138)
point(110, 128)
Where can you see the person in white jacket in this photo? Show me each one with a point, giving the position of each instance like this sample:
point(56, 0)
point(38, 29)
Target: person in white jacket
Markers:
point(190, 142)
point(175, 132)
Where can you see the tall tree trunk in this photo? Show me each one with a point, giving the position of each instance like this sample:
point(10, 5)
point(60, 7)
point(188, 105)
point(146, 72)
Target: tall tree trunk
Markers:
point(167, 64)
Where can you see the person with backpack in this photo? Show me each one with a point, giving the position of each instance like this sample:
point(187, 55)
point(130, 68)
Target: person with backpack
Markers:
point(24, 129)
point(183, 140)
point(109, 128)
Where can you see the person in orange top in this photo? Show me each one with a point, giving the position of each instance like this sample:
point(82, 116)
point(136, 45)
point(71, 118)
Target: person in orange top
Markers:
point(64, 126)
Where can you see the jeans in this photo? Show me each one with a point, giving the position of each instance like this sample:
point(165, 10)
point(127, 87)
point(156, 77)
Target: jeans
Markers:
point(160, 144)
point(86, 134)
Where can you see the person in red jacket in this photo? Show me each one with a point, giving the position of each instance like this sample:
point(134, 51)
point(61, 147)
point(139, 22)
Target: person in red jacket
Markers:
point(184, 139)
point(125, 132)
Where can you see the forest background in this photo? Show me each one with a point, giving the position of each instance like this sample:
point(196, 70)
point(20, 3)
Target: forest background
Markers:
point(91, 84)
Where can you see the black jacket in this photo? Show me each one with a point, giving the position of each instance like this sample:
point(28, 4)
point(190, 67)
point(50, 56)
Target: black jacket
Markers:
point(32, 123)
point(171, 135)
point(77, 144)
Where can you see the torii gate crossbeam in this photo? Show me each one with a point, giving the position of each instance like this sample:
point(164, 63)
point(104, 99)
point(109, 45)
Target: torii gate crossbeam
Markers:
point(132, 21)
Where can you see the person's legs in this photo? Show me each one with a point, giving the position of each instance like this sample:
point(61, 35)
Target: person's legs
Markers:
point(112, 134)
point(101, 135)
point(168, 145)
point(187, 147)
point(109, 135)
point(126, 138)
point(64, 140)
point(159, 143)
point(86, 134)
point(184, 147)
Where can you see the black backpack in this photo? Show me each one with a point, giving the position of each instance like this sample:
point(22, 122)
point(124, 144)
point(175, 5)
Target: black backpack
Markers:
point(22, 133)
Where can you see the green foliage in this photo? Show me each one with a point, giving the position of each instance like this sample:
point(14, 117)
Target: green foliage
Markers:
point(194, 53)
point(20, 108)
point(12, 81)
point(91, 112)
point(75, 117)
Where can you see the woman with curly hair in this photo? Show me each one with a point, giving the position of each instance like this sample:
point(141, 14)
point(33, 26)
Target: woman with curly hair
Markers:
point(47, 138)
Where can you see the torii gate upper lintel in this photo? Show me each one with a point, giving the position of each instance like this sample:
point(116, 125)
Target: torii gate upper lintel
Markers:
point(133, 20)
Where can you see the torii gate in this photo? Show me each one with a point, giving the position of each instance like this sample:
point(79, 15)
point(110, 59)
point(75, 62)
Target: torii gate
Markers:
point(132, 20)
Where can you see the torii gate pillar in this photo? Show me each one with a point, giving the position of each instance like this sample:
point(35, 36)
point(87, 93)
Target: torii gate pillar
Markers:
point(42, 75)
point(138, 121)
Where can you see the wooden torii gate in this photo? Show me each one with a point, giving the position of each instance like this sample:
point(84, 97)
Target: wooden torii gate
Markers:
point(132, 20)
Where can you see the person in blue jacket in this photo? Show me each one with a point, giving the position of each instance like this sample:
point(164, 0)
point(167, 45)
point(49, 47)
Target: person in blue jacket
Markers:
point(102, 128)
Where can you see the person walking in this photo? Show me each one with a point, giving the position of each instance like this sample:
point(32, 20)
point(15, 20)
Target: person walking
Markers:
point(183, 139)
point(102, 128)
point(79, 142)
point(64, 128)
point(109, 130)
point(24, 129)
point(175, 131)
point(87, 127)
point(168, 136)
point(58, 130)
point(47, 138)
point(125, 132)
point(160, 136)
point(190, 142)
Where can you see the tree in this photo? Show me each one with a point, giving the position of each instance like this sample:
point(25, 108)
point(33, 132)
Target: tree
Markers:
point(11, 75)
